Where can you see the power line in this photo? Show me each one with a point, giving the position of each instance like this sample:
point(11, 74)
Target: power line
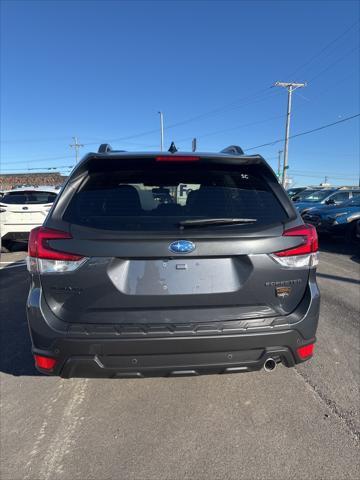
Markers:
point(230, 106)
point(303, 133)
point(37, 168)
point(226, 107)
point(333, 63)
point(200, 116)
point(35, 140)
point(256, 96)
point(214, 111)
point(324, 48)
point(217, 132)
point(180, 123)
point(322, 173)
point(171, 126)
point(242, 126)
point(329, 176)
point(325, 89)
point(329, 154)
point(269, 143)
point(38, 160)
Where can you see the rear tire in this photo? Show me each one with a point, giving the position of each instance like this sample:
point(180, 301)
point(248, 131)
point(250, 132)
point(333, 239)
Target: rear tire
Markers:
point(6, 246)
point(350, 235)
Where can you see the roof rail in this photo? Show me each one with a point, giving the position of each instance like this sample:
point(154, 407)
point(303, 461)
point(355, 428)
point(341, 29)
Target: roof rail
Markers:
point(104, 148)
point(233, 150)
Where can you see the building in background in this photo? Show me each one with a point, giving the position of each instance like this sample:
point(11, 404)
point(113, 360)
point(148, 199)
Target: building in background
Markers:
point(11, 180)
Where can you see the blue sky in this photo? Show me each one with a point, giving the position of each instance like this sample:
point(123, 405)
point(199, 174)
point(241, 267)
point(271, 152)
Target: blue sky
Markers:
point(102, 70)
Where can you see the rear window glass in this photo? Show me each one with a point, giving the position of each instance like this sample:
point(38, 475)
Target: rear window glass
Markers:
point(354, 202)
point(26, 198)
point(294, 191)
point(159, 198)
point(318, 196)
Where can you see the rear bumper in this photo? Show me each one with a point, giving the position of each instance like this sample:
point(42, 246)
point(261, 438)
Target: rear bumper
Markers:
point(151, 358)
point(20, 232)
point(101, 353)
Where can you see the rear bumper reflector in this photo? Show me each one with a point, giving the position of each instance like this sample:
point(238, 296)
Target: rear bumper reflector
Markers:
point(306, 352)
point(45, 363)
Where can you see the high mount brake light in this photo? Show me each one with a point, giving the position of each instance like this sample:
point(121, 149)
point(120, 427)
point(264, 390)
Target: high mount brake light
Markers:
point(305, 254)
point(45, 259)
point(177, 158)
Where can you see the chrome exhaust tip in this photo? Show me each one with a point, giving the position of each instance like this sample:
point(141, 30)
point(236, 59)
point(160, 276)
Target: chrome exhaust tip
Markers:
point(269, 365)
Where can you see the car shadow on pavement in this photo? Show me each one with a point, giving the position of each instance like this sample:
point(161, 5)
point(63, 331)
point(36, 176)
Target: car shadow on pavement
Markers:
point(15, 344)
point(339, 245)
point(338, 278)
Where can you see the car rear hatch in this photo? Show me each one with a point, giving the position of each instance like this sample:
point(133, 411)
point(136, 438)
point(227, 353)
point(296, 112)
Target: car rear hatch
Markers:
point(148, 259)
point(26, 207)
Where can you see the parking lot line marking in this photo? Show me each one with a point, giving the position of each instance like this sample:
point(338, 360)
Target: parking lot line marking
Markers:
point(13, 266)
point(8, 263)
point(61, 443)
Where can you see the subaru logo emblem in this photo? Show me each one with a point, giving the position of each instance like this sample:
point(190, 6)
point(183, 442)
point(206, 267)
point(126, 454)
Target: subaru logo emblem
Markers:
point(181, 246)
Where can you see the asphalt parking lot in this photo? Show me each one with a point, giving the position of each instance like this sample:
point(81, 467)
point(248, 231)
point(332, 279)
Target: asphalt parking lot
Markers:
point(292, 423)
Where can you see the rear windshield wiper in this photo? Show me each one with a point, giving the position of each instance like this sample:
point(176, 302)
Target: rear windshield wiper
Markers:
point(215, 221)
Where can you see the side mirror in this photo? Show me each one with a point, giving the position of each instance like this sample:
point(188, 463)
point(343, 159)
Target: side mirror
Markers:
point(330, 201)
point(295, 198)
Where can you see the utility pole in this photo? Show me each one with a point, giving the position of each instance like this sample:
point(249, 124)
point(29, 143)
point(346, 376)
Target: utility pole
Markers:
point(161, 131)
point(290, 86)
point(279, 166)
point(77, 146)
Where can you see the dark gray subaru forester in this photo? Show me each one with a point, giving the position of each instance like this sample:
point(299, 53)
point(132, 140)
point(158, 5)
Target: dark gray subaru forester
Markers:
point(159, 264)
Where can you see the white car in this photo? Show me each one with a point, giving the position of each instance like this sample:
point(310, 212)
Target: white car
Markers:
point(23, 209)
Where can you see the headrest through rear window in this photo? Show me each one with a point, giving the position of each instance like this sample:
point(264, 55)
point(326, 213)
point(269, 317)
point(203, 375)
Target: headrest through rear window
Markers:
point(124, 200)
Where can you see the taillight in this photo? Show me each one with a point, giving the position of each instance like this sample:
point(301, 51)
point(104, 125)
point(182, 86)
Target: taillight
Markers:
point(46, 363)
point(308, 237)
point(45, 259)
point(305, 253)
point(306, 352)
point(177, 158)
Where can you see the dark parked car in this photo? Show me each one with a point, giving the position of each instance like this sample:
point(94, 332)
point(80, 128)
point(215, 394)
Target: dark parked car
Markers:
point(336, 220)
point(327, 197)
point(295, 191)
point(299, 197)
point(224, 283)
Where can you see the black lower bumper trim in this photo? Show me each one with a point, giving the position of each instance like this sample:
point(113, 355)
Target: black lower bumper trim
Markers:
point(177, 364)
